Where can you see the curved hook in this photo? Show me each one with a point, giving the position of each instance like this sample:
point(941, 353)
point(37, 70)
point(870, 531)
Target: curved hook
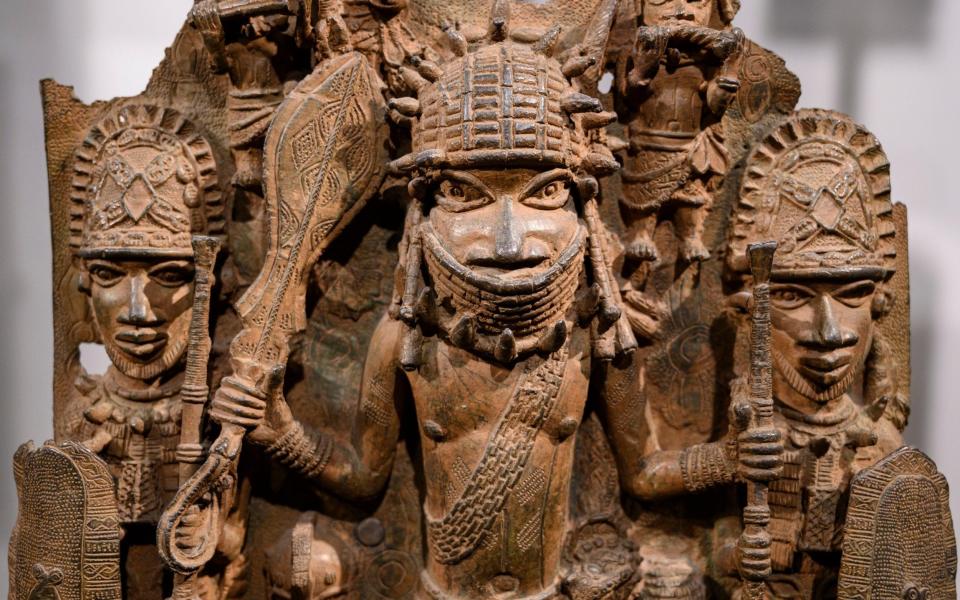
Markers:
point(203, 488)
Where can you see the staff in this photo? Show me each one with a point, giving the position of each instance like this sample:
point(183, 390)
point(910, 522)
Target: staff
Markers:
point(754, 543)
point(195, 391)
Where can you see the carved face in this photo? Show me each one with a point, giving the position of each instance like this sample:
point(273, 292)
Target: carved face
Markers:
point(142, 308)
point(325, 576)
point(678, 12)
point(822, 332)
point(326, 572)
point(505, 222)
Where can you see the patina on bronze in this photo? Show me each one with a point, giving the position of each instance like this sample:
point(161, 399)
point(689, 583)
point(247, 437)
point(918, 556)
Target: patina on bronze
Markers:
point(472, 328)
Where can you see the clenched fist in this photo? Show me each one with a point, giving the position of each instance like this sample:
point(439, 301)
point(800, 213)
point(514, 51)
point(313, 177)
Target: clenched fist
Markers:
point(759, 449)
point(265, 414)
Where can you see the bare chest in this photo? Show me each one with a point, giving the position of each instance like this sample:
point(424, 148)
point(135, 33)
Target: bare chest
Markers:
point(461, 398)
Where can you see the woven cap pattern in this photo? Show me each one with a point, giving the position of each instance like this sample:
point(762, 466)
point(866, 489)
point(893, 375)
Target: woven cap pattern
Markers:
point(819, 186)
point(501, 98)
point(144, 181)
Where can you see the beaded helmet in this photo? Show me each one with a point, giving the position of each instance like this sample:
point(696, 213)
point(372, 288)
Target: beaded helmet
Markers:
point(144, 182)
point(818, 185)
point(505, 102)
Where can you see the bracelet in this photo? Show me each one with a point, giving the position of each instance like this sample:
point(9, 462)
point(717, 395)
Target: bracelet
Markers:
point(308, 455)
point(704, 466)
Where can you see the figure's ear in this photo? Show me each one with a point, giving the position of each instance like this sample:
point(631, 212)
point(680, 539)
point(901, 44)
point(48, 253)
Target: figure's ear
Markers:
point(83, 278)
point(729, 9)
point(882, 303)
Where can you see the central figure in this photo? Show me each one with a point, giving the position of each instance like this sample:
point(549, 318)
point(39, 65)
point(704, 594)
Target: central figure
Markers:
point(504, 308)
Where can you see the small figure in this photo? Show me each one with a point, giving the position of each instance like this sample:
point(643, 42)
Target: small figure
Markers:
point(675, 86)
point(304, 564)
point(254, 55)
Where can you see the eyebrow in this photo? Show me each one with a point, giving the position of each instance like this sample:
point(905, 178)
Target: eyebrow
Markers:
point(181, 264)
point(467, 178)
point(797, 286)
point(542, 179)
point(863, 283)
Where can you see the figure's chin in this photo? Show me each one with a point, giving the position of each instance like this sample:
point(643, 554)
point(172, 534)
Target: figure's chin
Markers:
point(137, 366)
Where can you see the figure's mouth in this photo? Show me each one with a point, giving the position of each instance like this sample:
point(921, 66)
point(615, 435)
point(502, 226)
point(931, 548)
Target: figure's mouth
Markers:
point(518, 267)
point(141, 343)
point(825, 369)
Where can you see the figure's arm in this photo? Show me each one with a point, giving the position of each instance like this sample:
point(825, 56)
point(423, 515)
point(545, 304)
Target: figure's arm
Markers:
point(637, 68)
point(722, 89)
point(650, 473)
point(205, 18)
point(359, 467)
point(646, 472)
point(354, 466)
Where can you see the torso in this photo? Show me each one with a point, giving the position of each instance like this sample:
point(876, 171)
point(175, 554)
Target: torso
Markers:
point(478, 546)
point(808, 502)
point(141, 454)
point(672, 114)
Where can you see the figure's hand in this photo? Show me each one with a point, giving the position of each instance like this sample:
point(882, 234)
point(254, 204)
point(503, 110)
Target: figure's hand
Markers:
point(730, 85)
point(265, 414)
point(652, 40)
point(759, 449)
point(650, 44)
point(754, 556)
point(721, 92)
point(205, 18)
point(730, 46)
point(332, 36)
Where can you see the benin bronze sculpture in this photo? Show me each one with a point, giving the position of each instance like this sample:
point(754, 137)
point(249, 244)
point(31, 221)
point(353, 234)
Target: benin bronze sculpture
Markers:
point(408, 299)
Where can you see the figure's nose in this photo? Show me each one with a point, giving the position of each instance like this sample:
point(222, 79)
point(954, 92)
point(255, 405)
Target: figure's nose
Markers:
point(829, 331)
point(139, 311)
point(509, 234)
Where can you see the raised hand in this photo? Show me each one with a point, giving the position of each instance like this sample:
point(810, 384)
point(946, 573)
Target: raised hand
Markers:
point(265, 414)
point(649, 47)
point(205, 18)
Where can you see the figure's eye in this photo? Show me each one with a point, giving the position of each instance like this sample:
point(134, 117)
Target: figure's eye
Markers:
point(105, 275)
point(459, 196)
point(551, 196)
point(788, 297)
point(171, 275)
point(855, 294)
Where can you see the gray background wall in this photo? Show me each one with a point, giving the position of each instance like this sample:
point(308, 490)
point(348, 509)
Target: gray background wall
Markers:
point(892, 64)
